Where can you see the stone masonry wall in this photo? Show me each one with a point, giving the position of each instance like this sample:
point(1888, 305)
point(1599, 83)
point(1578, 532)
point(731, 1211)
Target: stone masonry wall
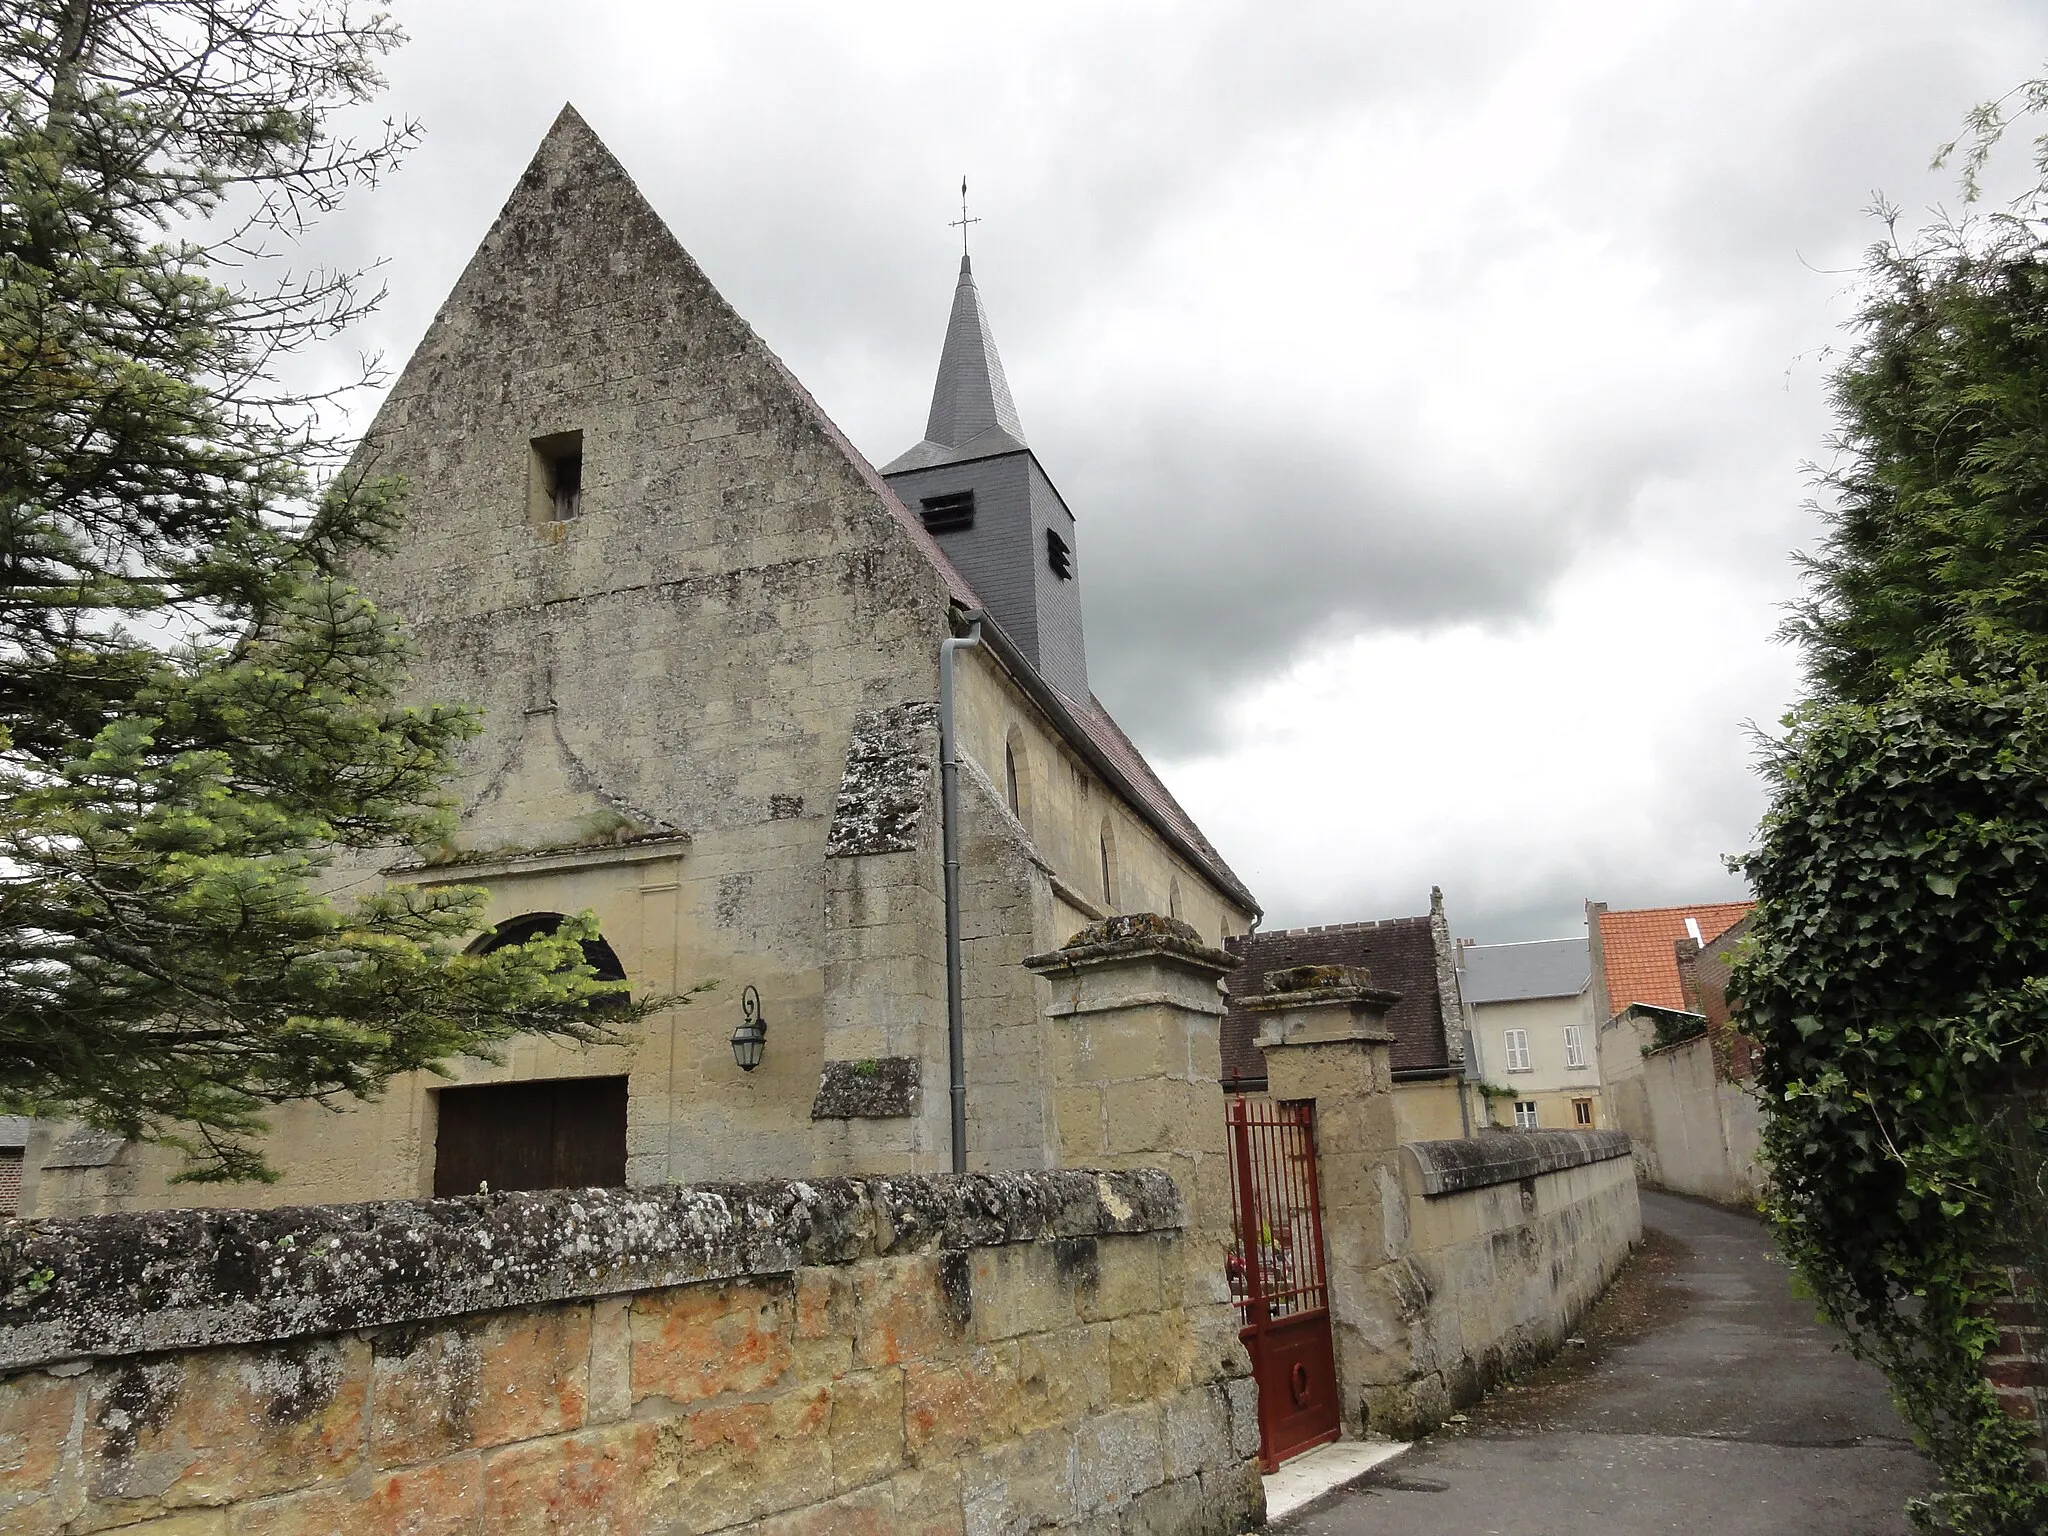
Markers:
point(989, 1353)
point(1006, 914)
point(1063, 806)
point(1510, 1238)
point(1695, 1131)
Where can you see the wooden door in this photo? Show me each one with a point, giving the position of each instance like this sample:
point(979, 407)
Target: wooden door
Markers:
point(563, 1133)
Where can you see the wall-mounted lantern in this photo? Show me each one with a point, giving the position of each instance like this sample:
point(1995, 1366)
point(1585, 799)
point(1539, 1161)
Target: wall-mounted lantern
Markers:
point(751, 1037)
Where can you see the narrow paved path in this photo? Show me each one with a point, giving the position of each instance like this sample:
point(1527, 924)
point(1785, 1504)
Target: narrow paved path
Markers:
point(1708, 1400)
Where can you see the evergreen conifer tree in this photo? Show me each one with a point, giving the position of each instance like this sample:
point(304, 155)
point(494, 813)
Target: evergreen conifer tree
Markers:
point(1896, 974)
point(197, 713)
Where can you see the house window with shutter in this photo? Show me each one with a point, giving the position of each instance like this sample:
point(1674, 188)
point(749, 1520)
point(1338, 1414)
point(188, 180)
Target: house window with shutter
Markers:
point(1517, 1042)
point(1574, 1046)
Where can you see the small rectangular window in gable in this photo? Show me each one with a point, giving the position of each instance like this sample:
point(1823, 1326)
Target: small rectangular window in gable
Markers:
point(554, 491)
point(947, 513)
point(1058, 556)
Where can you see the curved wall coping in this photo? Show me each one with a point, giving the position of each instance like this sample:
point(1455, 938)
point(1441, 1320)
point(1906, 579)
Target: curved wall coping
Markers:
point(130, 1284)
point(1504, 1157)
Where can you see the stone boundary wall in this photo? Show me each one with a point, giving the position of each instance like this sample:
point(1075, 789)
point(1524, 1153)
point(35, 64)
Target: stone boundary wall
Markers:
point(1696, 1131)
point(1508, 1239)
point(1041, 1351)
point(1707, 1131)
point(1505, 1157)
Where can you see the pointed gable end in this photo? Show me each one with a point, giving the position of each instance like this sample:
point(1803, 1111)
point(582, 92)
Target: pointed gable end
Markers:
point(624, 512)
point(582, 320)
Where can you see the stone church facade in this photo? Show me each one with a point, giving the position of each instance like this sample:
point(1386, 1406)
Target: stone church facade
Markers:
point(705, 636)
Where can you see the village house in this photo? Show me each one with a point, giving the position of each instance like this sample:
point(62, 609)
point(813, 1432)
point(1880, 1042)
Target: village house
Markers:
point(1533, 1032)
point(1680, 1076)
point(784, 723)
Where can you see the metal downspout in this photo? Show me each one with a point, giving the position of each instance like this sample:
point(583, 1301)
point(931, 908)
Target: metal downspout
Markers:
point(949, 824)
point(1223, 982)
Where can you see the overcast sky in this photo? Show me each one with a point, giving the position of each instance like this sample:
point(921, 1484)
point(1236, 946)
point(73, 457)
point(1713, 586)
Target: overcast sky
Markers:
point(1431, 383)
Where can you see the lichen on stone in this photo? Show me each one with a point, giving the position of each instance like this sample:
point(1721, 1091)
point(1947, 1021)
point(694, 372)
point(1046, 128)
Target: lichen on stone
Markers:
point(1122, 927)
point(1317, 978)
point(1505, 1157)
point(164, 1280)
point(1133, 933)
point(878, 1088)
point(885, 789)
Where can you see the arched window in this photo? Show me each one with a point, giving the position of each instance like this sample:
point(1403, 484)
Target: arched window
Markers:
point(1173, 898)
point(1017, 776)
point(600, 956)
point(1108, 863)
point(545, 1133)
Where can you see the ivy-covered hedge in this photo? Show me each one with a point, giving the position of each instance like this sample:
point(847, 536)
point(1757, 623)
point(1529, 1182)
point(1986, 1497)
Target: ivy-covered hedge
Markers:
point(1897, 982)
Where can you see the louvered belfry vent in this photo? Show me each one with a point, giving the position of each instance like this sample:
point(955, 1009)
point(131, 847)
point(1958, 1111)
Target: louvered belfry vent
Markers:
point(982, 495)
point(949, 513)
point(1058, 556)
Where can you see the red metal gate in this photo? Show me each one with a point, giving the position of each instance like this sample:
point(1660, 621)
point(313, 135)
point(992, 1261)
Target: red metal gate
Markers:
point(1277, 1277)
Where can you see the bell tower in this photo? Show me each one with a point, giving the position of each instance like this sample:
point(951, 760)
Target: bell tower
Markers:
point(983, 495)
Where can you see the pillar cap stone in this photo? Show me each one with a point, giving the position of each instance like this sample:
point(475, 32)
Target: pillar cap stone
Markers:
point(1134, 936)
point(1321, 1005)
point(1318, 986)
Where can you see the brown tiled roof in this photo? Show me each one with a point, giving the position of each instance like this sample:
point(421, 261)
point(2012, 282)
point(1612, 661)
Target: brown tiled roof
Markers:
point(1399, 953)
point(1636, 947)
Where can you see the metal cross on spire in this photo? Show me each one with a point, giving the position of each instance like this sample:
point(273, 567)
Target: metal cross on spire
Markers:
point(963, 221)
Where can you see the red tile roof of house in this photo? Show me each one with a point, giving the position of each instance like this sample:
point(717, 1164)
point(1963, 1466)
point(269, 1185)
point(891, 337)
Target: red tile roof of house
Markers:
point(1636, 950)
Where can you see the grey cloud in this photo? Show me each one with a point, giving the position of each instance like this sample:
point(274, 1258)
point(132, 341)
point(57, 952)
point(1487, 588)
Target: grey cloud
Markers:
point(1711, 800)
point(1220, 552)
point(807, 156)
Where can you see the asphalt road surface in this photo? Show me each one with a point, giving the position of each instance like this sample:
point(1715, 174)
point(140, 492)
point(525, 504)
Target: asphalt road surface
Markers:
point(1708, 1399)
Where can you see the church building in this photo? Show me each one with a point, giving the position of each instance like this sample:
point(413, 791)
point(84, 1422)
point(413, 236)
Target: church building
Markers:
point(720, 659)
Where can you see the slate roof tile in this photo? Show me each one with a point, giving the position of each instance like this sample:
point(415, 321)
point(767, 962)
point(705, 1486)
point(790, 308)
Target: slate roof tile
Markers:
point(1402, 958)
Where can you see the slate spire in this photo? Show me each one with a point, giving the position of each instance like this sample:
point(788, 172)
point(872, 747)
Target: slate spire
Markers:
point(982, 494)
point(971, 395)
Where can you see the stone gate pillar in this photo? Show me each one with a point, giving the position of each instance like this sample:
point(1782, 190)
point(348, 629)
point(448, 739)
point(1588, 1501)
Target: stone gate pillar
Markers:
point(1323, 1030)
point(1134, 1015)
point(1135, 1058)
